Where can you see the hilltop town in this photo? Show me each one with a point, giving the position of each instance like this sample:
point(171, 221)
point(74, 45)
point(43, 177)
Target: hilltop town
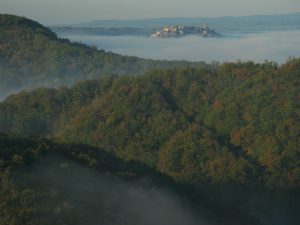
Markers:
point(165, 32)
point(181, 30)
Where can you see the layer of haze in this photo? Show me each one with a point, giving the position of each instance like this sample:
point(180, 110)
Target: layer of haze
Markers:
point(272, 46)
point(74, 11)
point(102, 198)
point(106, 199)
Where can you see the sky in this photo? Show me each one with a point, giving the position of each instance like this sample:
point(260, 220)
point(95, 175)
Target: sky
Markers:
point(51, 12)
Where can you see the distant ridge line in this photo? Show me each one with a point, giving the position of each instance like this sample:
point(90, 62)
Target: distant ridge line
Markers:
point(292, 17)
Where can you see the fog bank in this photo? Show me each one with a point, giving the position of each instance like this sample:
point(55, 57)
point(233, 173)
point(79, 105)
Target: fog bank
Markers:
point(272, 46)
point(106, 199)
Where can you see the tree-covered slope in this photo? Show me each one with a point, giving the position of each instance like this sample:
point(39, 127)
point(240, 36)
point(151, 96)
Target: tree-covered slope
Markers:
point(43, 182)
point(223, 138)
point(32, 55)
point(260, 118)
point(235, 123)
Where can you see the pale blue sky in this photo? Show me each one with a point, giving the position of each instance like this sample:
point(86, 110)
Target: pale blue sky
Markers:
point(73, 11)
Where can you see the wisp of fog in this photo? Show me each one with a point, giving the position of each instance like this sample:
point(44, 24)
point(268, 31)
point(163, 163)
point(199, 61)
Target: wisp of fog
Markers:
point(106, 199)
point(272, 46)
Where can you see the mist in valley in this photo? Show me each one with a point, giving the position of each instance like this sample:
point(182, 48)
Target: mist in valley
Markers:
point(275, 46)
point(104, 198)
point(97, 198)
point(271, 46)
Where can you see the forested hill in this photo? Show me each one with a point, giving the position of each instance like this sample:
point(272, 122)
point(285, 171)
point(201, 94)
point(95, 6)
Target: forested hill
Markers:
point(211, 144)
point(32, 55)
point(44, 182)
point(234, 123)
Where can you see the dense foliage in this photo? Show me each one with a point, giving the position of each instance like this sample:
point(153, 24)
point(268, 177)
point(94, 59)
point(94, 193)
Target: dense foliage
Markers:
point(42, 182)
point(230, 123)
point(32, 55)
point(27, 196)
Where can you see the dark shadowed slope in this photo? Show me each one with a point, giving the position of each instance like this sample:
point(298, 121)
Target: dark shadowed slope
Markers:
point(42, 182)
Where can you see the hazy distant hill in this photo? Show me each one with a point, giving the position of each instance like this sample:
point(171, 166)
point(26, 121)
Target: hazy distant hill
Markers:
point(32, 55)
point(222, 24)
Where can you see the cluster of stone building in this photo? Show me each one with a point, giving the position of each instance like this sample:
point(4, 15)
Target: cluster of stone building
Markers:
point(180, 31)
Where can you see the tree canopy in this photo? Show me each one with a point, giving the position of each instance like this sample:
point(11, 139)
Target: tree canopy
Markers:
point(237, 123)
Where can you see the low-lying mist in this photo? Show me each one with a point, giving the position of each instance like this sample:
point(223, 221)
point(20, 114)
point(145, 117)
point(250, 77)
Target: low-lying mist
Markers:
point(106, 199)
point(272, 46)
